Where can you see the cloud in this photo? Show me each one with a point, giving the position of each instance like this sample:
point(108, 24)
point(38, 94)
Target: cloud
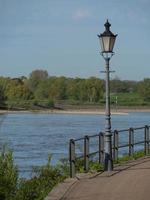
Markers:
point(80, 14)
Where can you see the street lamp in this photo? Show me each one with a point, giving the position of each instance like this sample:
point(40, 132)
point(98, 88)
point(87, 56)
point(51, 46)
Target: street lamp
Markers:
point(107, 41)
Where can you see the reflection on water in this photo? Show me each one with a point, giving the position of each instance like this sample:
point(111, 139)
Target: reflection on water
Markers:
point(33, 136)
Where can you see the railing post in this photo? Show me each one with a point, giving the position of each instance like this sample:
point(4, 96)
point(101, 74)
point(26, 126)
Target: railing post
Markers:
point(72, 158)
point(146, 140)
point(101, 147)
point(86, 153)
point(131, 141)
point(115, 146)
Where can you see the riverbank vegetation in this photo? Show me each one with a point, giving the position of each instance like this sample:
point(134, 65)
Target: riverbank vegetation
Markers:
point(35, 188)
point(43, 179)
point(41, 91)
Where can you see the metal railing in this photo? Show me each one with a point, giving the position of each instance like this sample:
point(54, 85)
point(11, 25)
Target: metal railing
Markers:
point(99, 138)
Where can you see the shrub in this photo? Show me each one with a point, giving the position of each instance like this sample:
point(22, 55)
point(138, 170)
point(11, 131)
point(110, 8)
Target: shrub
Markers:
point(50, 103)
point(8, 176)
point(36, 188)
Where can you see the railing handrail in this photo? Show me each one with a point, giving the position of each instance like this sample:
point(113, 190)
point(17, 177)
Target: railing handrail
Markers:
point(86, 153)
point(119, 131)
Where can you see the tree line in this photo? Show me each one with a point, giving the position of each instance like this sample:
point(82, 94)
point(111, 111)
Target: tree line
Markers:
point(40, 89)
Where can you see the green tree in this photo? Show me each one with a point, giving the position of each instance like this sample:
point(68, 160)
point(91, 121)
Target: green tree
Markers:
point(95, 89)
point(35, 77)
point(39, 74)
point(42, 90)
point(57, 89)
point(3, 87)
point(144, 89)
point(17, 90)
point(119, 86)
point(72, 89)
point(85, 90)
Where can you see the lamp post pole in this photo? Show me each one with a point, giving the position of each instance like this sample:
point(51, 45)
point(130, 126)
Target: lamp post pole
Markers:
point(108, 165)
point(107, 41)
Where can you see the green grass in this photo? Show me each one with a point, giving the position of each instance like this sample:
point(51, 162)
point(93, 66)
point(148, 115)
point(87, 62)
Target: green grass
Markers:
point(131, 99)
point(93, 166)
point(128, 99)
point(136, 155)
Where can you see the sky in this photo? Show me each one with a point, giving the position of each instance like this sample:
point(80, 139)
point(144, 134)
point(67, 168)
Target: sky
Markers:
point(60, 36)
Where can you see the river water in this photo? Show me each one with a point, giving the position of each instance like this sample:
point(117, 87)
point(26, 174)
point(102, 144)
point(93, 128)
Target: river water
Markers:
point(32, 136)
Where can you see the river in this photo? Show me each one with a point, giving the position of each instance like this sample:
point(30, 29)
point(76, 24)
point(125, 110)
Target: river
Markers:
point(32, 136)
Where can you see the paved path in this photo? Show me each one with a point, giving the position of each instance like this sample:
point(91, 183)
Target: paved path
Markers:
point(128, 182)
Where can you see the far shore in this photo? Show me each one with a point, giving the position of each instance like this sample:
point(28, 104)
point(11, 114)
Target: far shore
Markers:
point(120, 111)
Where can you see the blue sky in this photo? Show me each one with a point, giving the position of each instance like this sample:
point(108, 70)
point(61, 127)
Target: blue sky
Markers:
point(60, 36)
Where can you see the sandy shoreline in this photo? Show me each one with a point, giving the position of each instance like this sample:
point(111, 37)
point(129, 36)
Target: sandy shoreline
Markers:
point(122, 111)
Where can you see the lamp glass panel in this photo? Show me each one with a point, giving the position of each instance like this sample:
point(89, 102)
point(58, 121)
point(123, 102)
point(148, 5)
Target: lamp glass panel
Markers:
point(112, 42)
point(101, 44)
point(106, 42)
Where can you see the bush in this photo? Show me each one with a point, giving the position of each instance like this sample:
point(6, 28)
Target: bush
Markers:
point(8, 176)
point(45, 178)
point(36, 188)
point(50, 103)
